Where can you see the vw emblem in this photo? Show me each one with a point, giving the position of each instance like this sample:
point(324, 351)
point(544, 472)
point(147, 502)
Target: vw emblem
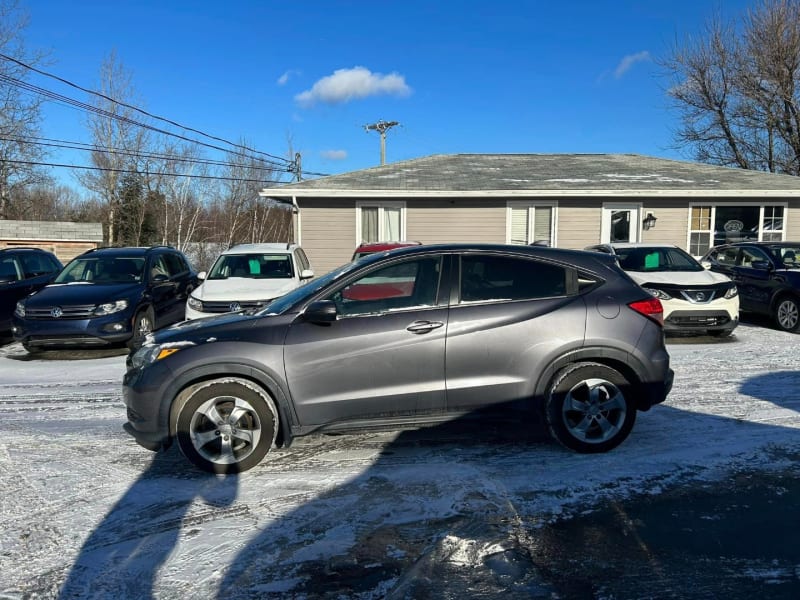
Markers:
point(235, 306)
point(700, 296)
point(56, 312)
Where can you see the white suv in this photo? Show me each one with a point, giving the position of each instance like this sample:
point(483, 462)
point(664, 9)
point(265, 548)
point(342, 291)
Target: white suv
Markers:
point(248, 276)
point(694, 299)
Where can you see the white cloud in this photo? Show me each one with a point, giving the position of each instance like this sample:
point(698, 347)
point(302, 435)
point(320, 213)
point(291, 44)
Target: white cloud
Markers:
point(283, 79)
point(351, 84)
point(627, 62)
point(334, 154)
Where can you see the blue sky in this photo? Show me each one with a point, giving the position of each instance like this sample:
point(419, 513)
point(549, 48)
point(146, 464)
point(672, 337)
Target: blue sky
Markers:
point(505, 76)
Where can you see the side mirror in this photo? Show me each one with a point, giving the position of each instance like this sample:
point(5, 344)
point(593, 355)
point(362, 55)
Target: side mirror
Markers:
point(160, 278)
point(306, 274)
point(706, 264)
point(761, 265)
point(322, 312)
point(202, 275)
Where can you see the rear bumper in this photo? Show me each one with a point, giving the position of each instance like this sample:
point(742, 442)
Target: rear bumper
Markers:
point(655, 392)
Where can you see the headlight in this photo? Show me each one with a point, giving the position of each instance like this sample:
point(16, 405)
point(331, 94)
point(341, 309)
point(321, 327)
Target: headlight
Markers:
point(194, 303)
point(110, 308)
point(660, 294)
point(732, 292)
point(151, 353)
point(20, 309)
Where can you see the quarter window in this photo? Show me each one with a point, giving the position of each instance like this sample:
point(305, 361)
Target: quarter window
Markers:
point(493, 278)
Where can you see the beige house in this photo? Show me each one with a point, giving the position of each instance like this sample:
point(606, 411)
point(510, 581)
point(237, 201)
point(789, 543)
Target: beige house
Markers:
point(565, 200)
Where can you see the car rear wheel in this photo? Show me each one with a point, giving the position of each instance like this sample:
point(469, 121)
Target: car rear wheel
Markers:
point(227, 425)
point(589, 409)
point(787, 314)
point(142, 325)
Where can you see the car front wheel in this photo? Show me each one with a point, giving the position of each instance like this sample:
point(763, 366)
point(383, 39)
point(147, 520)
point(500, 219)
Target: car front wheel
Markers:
point(589, 409)
point(227, 425)
point(142, 325)
point(787, 314)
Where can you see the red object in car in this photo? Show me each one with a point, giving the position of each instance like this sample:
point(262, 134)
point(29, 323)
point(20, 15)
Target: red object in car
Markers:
point(372, 248)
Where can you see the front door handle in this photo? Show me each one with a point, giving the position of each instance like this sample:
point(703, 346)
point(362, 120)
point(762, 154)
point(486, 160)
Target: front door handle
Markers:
point(424, 326)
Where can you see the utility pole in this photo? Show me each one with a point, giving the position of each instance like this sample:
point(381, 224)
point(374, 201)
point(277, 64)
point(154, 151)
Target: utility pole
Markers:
point(298, 167)
point(381, 127)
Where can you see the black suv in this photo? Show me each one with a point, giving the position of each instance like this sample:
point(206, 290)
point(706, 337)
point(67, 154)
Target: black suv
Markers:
point(22, 271)
point(405, 337)
point(767, 275)
point(106, 296)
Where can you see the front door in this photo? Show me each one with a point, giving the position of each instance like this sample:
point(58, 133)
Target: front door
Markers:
point(382, 357)
point(620, 223)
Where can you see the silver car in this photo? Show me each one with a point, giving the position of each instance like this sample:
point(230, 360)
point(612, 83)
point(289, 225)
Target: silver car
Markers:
point(408, 337)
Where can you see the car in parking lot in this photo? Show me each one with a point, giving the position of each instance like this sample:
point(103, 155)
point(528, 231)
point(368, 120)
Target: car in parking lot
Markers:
point(523, 330)
point(767, 275)
point(23, 271)
point(104, 297)
point(695, 300)
point(248, 277)
point(368, 248)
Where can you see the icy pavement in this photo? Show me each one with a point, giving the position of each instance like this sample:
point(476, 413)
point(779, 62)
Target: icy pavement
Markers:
point(443, 512)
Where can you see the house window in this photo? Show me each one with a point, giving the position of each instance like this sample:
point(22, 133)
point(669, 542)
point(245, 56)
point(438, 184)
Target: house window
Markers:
point(531, 223)
point(725, 223)
point(380, 222)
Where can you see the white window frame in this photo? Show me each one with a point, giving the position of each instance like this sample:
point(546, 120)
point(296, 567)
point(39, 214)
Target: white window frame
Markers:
point(713, 205)
point(553, 206)
point(605, 219)
point(381, 205)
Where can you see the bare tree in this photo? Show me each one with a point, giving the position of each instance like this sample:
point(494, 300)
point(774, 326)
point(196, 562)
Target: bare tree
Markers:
point(20, 113)
point(119, 141)
point(736, 89)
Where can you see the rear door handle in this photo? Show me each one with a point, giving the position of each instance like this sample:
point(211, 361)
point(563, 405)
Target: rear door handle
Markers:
point(424, 326)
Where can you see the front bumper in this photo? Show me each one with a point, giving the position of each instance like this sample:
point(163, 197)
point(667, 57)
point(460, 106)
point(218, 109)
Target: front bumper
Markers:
point(142, 391)
point(59, 333)
point(722, 314)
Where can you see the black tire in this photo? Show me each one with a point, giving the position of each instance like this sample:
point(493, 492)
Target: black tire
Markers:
point(31, 349)
point(787, 314)
point(227, 425)
point(720, 333)
point(589, 408)
point(142, 325)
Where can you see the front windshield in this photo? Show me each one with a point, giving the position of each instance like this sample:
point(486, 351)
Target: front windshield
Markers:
point(253, 266)
point(656, 259)
point(788, 255)
point(103, 270)
point(285, 302)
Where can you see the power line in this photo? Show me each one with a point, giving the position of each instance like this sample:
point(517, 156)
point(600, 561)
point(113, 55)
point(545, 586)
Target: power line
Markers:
point(132, 171)
point(82, 146)
point(102, 112)
point(152, 116)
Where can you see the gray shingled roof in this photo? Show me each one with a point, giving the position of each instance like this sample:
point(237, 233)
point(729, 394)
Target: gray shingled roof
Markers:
point(543, 174)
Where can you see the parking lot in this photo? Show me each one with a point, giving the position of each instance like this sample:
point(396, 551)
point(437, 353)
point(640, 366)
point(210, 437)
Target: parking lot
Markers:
point(465, 509)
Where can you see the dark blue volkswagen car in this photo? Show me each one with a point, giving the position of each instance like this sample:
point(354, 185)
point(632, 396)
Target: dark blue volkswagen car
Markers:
point(22, 271)
point(105, 297)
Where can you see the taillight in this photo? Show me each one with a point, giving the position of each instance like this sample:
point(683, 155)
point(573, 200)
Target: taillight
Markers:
point(650, 308)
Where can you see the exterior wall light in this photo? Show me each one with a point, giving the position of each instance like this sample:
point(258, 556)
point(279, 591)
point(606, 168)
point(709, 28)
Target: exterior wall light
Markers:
point(649, 220)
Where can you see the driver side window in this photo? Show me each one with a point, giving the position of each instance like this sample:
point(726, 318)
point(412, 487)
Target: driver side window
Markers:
point(400, 286)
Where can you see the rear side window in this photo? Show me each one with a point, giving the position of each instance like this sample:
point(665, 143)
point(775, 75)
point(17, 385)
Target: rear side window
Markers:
point(492, 277)
point(175, 264)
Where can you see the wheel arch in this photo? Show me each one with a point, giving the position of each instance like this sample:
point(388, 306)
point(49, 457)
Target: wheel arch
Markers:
point(179, 390)
point(628, 365)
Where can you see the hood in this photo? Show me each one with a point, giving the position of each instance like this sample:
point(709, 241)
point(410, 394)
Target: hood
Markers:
point(237, 288)
point(57, 294)
point(687, 278)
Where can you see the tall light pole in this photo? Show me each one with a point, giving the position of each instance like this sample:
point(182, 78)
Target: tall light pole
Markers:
point(381, 127)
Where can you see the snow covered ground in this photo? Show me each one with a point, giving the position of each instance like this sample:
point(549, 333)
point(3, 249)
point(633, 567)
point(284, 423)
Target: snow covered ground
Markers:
point(85, 512)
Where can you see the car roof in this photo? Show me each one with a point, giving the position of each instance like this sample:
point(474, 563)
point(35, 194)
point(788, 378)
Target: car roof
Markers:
point(639, 245)
point(124, 251)
point(24, 249)
point(282, 247)
point(381, 246)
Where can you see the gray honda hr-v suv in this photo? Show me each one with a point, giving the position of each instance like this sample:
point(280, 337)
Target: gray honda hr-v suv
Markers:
point(408, 337)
